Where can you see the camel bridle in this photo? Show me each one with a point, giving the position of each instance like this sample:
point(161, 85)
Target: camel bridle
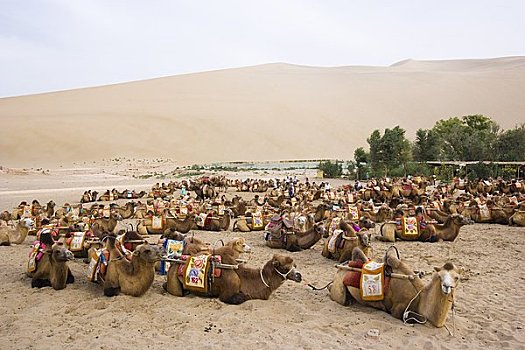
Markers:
point(283, 275)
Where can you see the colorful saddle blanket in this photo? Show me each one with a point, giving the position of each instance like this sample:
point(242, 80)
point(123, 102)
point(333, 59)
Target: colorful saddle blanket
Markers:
point(35, 255)
point(198, 272)
point(371, 281)
point(174, 250)
point(409, 228)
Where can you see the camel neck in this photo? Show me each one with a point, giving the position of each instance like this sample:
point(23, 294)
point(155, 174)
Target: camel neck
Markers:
point(433, 304)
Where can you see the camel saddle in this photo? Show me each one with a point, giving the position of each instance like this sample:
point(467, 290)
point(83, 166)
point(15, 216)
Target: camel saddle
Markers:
point(372, 281)
point(410, 228)
point(35, 255)
point(198, 272)
point(174, 250)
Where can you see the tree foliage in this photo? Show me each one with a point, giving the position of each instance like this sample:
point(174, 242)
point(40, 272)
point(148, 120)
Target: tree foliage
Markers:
point(389, 150)
point(331, 170)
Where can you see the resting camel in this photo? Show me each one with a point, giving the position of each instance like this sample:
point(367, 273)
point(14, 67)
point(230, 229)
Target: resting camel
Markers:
point(517, 219)
point(244, 283)
point(103, 225)
point(52, 269)
point(382, 214)
point(214, 223)
point(127, 211)
point(294, 241)
point(16, 235)
point(133, 277)
point(406, 299)
point(276, 203)
point(449, 230)
point(390, 231)
point(351, 238)
point(183, 226)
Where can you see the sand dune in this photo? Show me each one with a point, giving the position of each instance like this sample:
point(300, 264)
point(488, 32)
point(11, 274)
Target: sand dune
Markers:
point(266, 112)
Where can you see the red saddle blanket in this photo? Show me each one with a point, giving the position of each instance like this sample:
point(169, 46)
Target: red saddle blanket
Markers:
point(353, 278)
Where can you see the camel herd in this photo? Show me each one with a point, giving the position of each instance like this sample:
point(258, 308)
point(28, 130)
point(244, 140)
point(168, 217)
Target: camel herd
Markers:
point(111, 236)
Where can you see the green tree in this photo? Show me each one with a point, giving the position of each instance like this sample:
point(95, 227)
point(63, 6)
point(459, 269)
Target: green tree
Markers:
point(331, 170)
point(389, 151)
point(427, 146)
point(510, 145)
point(470, 138)
point(360, 163)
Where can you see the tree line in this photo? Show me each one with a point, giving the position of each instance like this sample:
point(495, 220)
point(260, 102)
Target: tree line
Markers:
point(468, 138)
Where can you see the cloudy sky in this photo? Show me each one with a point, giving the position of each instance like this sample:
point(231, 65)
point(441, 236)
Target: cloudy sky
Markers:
point(51, 45)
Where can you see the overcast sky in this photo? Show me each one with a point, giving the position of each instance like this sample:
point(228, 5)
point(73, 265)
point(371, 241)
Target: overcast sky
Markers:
point(63, 44)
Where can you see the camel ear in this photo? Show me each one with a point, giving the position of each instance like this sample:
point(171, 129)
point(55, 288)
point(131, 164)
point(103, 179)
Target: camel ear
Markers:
point(437, 269)
point(275, 261)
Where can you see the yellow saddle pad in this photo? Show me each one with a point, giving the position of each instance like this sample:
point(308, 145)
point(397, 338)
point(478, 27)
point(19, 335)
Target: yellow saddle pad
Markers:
point(353, 213)
point(410, 228)
point(372, 281)
point(156, 223)
point(77, 243)
point(196, 272)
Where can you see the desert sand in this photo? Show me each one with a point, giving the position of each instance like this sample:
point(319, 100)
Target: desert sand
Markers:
point(489, 311)
point(267, 112)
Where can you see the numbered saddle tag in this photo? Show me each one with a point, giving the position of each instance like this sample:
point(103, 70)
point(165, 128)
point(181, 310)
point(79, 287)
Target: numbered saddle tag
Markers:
point(372, 281)
point(77, 243)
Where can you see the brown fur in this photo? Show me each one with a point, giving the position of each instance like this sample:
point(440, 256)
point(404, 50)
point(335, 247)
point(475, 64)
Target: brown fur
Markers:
point(237, 286)
point(517, 219)
point(432, 302)
point(133, 277)
point(16, 235)
point(52, 269)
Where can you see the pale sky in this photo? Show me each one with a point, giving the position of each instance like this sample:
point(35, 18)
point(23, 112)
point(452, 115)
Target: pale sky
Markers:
point(51, 45)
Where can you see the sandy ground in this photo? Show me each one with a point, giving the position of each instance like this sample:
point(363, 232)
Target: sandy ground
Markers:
point(490, 302)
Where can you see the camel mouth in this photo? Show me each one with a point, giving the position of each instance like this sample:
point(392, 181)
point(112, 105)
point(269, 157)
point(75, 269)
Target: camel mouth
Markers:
point(446, 289)
point(294, 276)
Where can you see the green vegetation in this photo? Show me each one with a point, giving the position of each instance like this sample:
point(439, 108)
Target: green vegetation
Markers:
point(331, 170)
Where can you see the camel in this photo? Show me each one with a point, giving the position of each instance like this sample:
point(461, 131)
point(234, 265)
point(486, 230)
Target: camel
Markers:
point(49, 209)
point(51, 269)
point(351, 237)
point(390, 231)
point(276, 203)
point(322, 212)
point(406, 299)
point(133, 277)
point(244, 283)
point(127, 211)
point(449, 230)
point(493, 215)
point(291, 240)
point(382, 214)
point(16, 235)
point(215, 223)
point(517, 219)
point(145, 226)
point(103, 225)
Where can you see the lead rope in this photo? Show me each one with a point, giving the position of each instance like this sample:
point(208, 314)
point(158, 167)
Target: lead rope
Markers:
point(406, 314)
point(453, 320)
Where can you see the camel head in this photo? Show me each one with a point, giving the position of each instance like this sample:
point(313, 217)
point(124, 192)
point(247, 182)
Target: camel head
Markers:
point(60, 253)
point(148, 253)
point(285, 267)
point(449, 275)
point(365, 222)
point(364, 238)
point(239, 245)
point(27, 222)
point(461, 220)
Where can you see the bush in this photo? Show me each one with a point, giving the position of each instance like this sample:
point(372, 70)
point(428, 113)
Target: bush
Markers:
point(330, 169)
